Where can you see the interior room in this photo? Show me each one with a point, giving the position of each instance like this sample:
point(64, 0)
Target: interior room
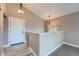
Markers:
point(39, 29)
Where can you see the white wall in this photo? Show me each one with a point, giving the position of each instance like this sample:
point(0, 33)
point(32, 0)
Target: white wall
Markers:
point(70, 25)
point(5, 41)
point(49, 41)
point(1, 31)
point(44, 43)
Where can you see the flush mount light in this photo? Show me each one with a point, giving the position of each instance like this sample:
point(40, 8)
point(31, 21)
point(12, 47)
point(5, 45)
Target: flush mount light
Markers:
point(20, 9)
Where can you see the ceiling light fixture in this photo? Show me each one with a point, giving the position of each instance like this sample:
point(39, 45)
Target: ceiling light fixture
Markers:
point(49, 19)
point(20, 9)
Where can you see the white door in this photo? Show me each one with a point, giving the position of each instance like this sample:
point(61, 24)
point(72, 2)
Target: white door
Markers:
point(16, 30)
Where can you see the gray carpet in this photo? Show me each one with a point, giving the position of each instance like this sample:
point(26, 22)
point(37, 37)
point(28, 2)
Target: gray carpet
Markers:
point(66, 50)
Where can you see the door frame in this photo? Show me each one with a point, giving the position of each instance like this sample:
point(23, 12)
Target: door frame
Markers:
point(9, 21)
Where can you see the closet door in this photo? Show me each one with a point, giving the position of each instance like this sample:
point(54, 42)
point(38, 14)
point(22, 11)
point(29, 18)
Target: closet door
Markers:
point(16, 30)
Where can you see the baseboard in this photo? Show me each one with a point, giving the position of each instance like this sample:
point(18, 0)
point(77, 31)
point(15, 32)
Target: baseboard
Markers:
point(2, 54)
point(49, 52)
point(54, 49)
point(71, 44)
point(6, 46)
point(25, 41)
point(32, 51)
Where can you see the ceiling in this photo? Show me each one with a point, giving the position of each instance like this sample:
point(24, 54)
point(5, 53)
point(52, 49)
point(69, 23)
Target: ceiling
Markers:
point(54, 9)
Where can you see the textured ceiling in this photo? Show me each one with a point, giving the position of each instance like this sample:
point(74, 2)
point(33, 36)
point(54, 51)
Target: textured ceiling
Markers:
point(54, 9)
